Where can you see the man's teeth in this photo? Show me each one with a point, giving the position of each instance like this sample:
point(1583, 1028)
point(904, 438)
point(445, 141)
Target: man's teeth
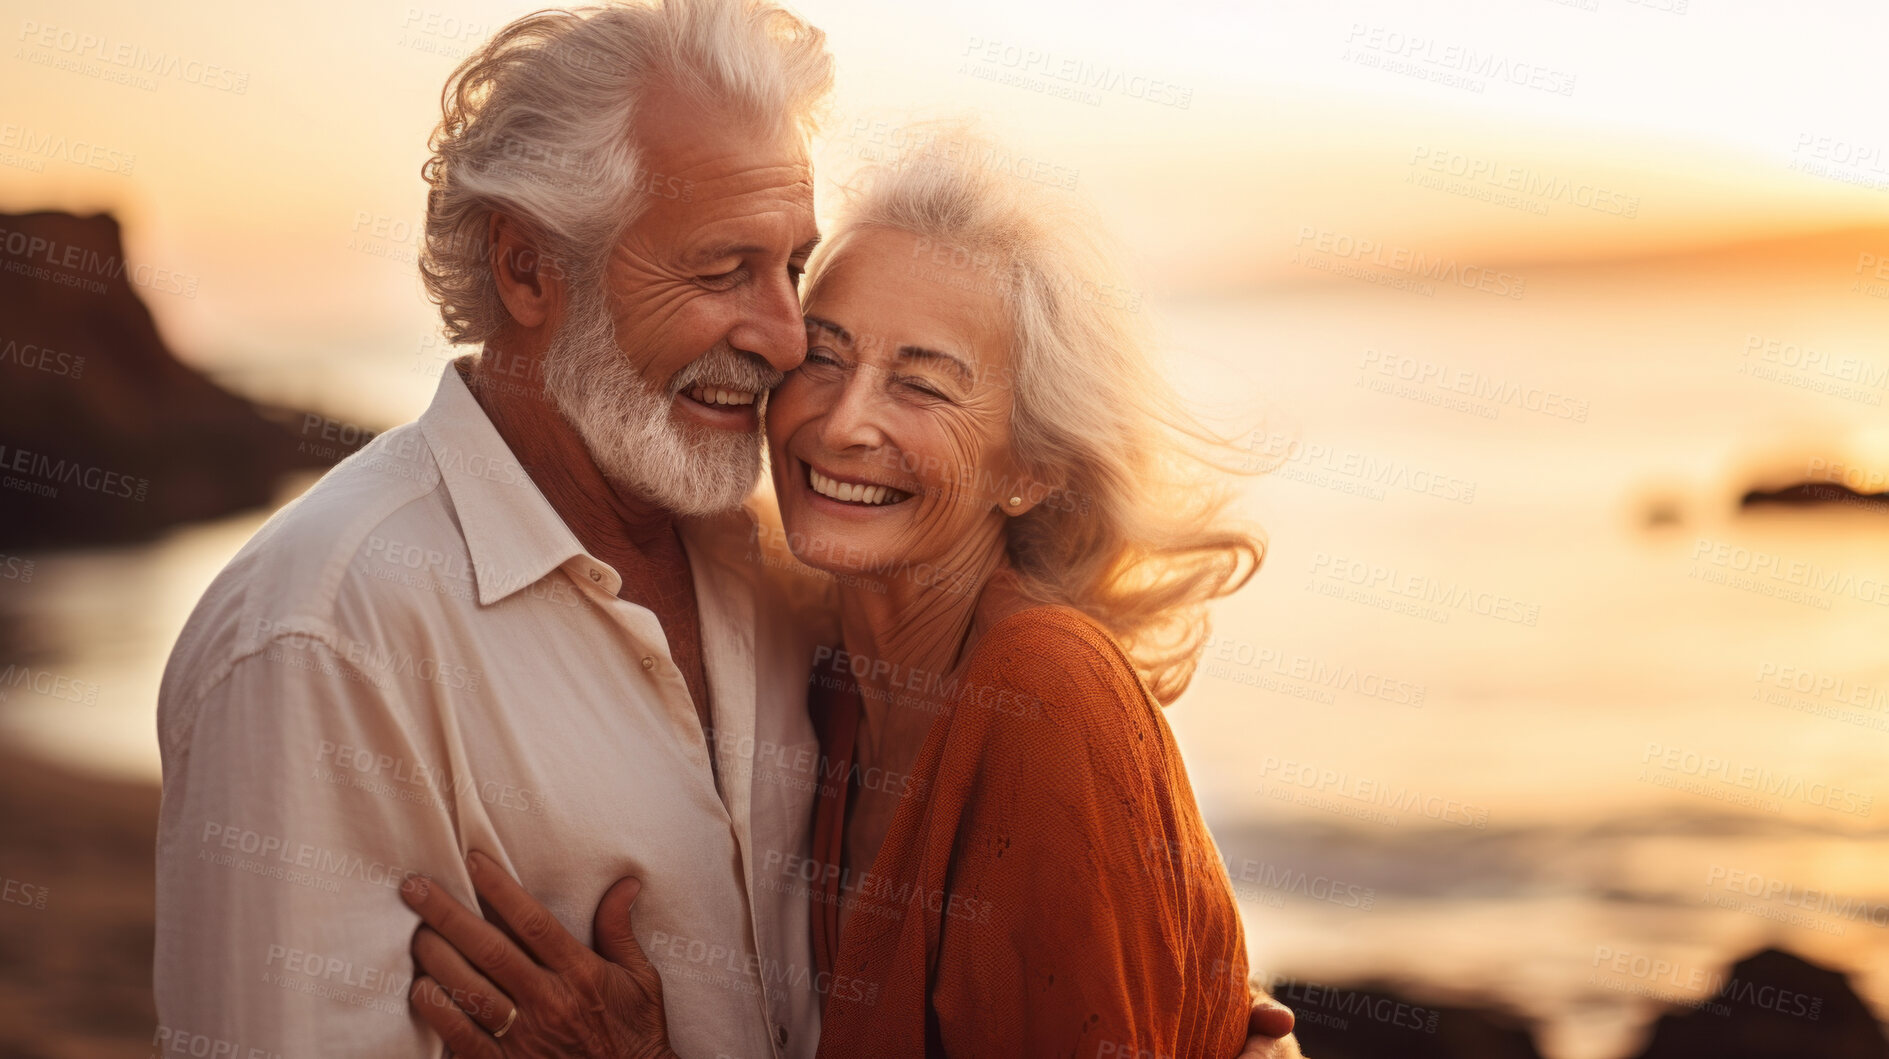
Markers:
point(716, 395)
point(858, 494)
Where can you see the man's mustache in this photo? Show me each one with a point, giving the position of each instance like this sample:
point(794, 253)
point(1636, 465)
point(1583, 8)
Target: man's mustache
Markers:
point(727, 368)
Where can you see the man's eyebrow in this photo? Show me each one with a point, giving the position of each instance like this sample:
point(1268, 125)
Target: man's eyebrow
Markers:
point(921, 353)
point(844, 336)
point(720, 251)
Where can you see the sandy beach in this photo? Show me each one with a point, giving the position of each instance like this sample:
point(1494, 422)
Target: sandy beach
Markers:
point(76, 900)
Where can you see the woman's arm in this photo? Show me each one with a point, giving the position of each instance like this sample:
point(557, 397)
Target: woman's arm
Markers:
point(488, 998)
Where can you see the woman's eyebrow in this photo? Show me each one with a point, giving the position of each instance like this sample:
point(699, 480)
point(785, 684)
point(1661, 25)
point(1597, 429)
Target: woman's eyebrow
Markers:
point(921, 353)
point(845, 338)
point(842, 335)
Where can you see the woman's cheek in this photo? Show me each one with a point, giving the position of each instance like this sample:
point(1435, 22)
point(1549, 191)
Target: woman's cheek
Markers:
point(961, 482)
point(786, 408)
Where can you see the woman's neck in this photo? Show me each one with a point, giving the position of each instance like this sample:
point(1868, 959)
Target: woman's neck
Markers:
point(910, 635)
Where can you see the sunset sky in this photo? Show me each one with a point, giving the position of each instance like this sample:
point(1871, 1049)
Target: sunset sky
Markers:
point(278, 160)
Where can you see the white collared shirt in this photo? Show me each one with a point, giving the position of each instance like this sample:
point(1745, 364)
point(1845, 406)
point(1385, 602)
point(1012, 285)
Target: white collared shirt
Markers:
point(417, 659)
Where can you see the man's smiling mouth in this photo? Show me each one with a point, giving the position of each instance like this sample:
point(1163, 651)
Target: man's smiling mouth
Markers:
point(715, 395)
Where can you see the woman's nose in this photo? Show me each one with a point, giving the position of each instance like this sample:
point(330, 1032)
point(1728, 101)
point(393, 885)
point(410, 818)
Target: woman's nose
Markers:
point(853, 419)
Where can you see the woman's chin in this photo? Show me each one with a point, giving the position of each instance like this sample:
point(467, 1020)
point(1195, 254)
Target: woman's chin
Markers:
point(817, 544)
point(826, 564)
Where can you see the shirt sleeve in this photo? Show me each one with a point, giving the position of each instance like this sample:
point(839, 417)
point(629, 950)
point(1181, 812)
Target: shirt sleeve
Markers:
point(298, 793)
point(1065, 929)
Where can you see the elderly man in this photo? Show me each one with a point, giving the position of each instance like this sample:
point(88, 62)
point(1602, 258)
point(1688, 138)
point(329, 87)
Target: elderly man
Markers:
point(532, 623)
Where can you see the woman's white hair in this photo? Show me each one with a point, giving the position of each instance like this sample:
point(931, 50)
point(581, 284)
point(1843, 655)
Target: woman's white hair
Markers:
point(538, 125)
point(1136, 533)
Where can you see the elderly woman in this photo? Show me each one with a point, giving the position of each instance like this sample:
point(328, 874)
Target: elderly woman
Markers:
point(1023, 537)
point(977, 435)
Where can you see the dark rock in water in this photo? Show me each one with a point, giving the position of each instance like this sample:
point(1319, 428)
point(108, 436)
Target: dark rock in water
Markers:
point(1662, 513)
point(1773, 1005)
point(104, 435)
point(1815, 494)
point(1372, 1022)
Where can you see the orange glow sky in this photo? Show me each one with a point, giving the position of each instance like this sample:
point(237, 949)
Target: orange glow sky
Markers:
point(1699, 117)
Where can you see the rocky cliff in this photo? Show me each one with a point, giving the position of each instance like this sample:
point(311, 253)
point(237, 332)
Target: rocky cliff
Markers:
point(106, 436)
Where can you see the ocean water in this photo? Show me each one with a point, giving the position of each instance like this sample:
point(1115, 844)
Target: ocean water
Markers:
point(1518, 667)
point(1518, 707)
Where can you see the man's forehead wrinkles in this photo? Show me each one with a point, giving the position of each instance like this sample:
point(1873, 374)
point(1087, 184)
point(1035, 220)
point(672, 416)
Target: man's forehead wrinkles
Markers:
point(770, 214)
point(766, 228)
point(757, 199)
point(714, 207)
point(734, 167)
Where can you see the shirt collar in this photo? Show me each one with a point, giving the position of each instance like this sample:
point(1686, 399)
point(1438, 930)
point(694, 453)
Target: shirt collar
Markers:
point(512, 533)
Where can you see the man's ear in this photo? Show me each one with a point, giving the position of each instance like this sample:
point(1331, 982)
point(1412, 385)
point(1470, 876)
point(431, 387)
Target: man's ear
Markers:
point(528, 286)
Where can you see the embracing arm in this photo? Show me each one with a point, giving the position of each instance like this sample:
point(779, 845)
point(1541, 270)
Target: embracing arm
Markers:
point(531, 989)
point(471, 977)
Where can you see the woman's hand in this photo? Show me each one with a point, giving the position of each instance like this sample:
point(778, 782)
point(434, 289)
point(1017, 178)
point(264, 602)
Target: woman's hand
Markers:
point(487, 998)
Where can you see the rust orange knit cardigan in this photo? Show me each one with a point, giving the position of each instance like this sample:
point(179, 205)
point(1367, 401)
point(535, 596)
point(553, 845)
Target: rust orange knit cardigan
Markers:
point(1046, 888)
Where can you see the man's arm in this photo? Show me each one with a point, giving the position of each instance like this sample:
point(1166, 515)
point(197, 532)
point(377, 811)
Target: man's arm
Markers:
point(296, 799)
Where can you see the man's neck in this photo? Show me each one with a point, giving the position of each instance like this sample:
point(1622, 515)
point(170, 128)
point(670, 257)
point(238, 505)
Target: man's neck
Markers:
point(639, 539)
point(609, 522)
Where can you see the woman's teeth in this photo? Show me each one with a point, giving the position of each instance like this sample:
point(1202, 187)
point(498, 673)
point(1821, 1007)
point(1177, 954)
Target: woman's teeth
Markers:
point(848, 491)
point(716, 395)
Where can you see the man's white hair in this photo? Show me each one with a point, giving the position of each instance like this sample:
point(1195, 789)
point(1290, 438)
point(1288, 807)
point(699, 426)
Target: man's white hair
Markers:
point(538, 125)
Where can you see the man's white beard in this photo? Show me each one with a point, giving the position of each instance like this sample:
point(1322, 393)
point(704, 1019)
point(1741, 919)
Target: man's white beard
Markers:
point(626, 423)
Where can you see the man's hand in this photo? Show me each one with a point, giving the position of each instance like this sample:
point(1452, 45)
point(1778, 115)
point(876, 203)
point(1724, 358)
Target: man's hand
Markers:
point(1269, 1030)
point(489, 999)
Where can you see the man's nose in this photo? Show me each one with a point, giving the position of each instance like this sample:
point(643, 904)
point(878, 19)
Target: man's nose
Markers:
point(772, 328)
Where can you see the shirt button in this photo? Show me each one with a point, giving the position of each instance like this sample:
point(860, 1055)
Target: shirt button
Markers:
point(780, 1036)
point(648, 662)
point(596, 575)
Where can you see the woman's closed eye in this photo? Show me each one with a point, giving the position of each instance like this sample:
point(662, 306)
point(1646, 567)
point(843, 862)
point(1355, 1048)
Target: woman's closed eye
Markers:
point(821, 363)
point(922, 387)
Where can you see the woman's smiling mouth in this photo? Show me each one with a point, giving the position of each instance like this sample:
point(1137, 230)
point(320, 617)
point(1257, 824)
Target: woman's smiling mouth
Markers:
point(862, 494)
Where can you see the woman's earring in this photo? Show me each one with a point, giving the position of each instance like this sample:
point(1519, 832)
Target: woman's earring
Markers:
point(1016, 501)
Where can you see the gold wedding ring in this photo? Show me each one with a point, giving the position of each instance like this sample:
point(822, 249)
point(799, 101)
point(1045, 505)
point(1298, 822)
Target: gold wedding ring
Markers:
point(509, 1019)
